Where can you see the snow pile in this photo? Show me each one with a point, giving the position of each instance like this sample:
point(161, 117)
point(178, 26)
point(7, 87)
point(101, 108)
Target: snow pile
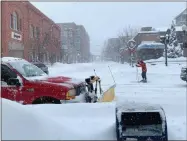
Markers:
point(20, 122)
point(88, 121)
point(58, 122)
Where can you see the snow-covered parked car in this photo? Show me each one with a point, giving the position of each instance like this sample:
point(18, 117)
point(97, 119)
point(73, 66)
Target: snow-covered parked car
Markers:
point(42, 66)
point(25, 83)
point(140, 121)
point(183, 74)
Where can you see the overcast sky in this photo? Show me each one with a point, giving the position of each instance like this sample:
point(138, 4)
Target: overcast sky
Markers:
point(104, 20)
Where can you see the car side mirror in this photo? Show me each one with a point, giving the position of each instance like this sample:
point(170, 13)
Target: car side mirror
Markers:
point(14, 81)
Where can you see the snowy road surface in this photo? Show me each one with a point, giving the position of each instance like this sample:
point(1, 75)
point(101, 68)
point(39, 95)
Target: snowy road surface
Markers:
point(97, 121)
point(165, 87)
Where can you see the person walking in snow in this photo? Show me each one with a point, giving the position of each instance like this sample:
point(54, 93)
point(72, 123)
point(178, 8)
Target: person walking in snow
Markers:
point(142, 64)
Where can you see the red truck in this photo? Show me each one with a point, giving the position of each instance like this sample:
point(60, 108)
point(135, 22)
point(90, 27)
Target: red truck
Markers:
point(25, 83)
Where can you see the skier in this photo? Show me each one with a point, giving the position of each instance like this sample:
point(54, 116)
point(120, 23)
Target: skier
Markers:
point(144, 70)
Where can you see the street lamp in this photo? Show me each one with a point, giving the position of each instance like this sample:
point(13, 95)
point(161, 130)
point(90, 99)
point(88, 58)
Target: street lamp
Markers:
point(165, 41)
point(184, 29)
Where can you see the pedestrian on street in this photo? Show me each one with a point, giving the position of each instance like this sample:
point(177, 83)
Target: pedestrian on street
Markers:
point(142, 64)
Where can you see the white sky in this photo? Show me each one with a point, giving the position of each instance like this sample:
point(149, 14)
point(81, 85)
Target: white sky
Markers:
point(104, 20)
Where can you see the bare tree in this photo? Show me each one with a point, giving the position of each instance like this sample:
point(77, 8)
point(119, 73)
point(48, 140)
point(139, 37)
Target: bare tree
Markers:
point(37, 46)
point(127, 34)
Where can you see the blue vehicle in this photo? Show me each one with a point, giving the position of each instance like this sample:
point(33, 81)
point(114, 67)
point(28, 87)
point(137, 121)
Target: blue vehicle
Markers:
point(141, 122)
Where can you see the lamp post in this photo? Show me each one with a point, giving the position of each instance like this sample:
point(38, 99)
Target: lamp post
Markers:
point(184, 29)
point(165, 41)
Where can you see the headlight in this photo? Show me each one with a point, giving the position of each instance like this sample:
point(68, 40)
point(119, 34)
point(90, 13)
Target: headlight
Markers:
point(71, 94)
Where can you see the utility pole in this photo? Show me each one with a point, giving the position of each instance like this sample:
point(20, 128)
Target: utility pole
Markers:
point(165, 40)
point(166, 55)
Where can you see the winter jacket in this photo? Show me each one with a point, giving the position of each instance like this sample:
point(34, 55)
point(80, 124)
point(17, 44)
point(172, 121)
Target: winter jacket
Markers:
point(142, 65)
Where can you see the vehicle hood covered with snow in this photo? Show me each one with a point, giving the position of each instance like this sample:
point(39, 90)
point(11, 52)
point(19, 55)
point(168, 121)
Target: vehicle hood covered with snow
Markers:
point(66, 81)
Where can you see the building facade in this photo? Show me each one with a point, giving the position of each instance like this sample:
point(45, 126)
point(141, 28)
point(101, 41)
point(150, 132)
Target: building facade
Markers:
point(68, 38)
point(75, 43)
point(27, 33)
point(147, 36)
point(83, 43)
point(113, 49)
point(181, 19)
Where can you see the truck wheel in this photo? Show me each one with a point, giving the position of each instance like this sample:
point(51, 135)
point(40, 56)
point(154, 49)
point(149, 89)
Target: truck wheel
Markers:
point(88, 99)
point(46, 100)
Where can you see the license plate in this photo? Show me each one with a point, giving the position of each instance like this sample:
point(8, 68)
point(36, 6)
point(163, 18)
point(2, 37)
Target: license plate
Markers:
point(131, 139)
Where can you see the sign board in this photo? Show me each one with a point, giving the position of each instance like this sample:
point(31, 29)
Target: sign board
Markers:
point(16, 36)
point(131, 44)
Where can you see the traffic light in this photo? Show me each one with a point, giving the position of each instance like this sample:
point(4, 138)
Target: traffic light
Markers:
point(162, 39)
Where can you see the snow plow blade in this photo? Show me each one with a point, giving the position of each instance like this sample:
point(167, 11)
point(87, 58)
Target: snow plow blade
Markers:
point(108, 95)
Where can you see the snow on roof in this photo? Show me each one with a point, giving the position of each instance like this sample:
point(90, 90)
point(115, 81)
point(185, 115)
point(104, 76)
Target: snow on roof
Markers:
point(148, 31)
point(164, 29)
point(8, 59)
point(150, 45)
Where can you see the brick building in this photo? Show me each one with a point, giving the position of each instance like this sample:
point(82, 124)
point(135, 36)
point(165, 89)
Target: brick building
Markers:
point(151, 38)
point(83, 42)
point(68, 38)
point(75, 42)
point(147, 36)
point(28, 33)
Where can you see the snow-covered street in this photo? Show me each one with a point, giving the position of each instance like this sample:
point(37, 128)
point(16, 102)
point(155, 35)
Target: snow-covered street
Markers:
point(164, 87)
point(97, 121)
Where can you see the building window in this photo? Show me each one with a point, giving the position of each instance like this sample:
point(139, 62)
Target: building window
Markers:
point(70, 33)
point(14, 21)
point(65, 33)
point(31, 31)
point(37, 32)
point(19, 25)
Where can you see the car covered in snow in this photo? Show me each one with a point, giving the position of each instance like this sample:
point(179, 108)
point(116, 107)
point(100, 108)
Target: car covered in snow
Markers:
point(25, 83)
point(140, 121)
point(183, 74)
point(42, 66)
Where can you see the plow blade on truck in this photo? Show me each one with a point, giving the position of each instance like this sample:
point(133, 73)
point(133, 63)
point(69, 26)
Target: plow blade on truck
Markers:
point(108, 95)
point(94, 96)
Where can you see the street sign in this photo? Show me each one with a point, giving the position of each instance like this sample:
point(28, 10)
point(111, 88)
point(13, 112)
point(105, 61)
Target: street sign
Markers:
point(131, 44)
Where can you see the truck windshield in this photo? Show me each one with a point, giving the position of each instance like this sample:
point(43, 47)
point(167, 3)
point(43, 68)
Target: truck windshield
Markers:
point(27, 69)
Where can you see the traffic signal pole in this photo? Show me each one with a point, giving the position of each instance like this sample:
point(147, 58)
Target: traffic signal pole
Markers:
point(166, 55)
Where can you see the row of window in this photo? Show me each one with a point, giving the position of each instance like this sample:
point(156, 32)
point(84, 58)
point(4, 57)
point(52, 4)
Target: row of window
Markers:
point(34, 32)
point(15, 22)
